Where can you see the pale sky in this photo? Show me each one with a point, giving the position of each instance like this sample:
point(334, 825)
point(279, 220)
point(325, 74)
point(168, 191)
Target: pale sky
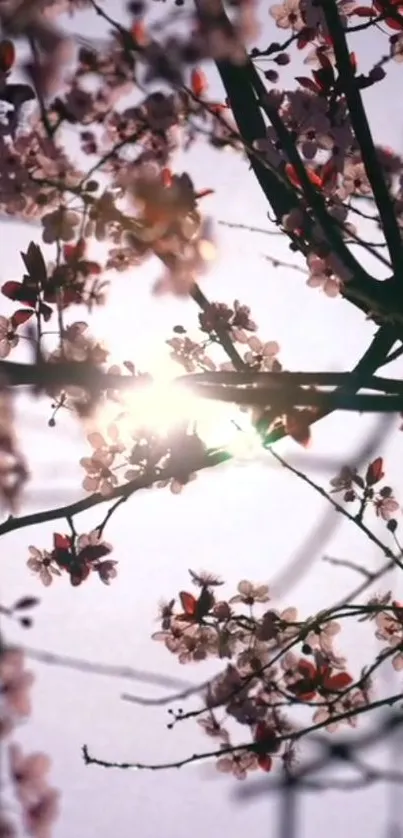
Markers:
point(240, 520)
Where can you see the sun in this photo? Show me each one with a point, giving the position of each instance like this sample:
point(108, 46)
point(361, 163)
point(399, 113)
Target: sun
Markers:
point(163, 406)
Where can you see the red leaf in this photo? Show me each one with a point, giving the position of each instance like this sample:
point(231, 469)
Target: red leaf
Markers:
point(21, 316)
point(324, 61)
point(265, 762)
point(72, 252)
point(382, 7)
point(374, 472)
point(298, 428)
point(294, 177)
point(139, 33)
point(90, 268)
point(353, 61)
point(324, 77)
point(188, 602)
point(166, 176)
point(338, 681)
point(11, 289)
point(363, 11)
point(61, 542)
point(304, 37)
point(7, 55)
point(18, 291)
point(204, 193)
point(308, 83)
point(196, 609)
point(328, 173)
point(198, 82)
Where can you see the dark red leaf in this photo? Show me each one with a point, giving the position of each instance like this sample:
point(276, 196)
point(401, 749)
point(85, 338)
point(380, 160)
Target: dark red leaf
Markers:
point(328, 173)
point(7, 55)
point(308, 83)
point(374, 472)
point(21, 316)
point(324, 61)
point(337, 682)
point(297, 426)
point(363, 11)
point(76, 251)
point(11, 289)
point(188, 602)
point(61, 542)
point(35, 264)
point(324, 78)
point(18, 291)
point(304, 37)
point(87, 268)
point(265, 762)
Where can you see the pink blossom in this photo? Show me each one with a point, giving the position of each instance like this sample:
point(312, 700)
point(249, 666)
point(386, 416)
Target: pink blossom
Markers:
point(8, 337)
point(40, 816)
point(16, 682)
point(287, 15)
point(249, 593)
point(29, 773)
point(322, 276)
point(237, 764)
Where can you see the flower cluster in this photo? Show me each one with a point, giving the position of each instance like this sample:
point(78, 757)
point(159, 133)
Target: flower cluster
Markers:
point(263, 677)
point(360, 489)
point(38, 802)
point(77, 556)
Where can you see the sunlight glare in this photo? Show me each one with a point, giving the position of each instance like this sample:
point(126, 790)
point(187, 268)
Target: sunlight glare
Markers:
point(163, 406)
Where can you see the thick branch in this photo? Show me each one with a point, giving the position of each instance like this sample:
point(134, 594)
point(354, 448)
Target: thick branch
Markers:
point(364, 137)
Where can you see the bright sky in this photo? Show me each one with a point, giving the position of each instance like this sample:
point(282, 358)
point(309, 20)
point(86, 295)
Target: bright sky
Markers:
point(243, 520)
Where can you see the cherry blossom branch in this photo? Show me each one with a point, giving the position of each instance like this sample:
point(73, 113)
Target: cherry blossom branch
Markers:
point(222, 333)
point(236, 749)
point(369, 575)
point(237, 226)
point(341, 749)
point(364, 138)
point(362, 290)
point(144, 481)
point(312, 195)
point(358, 522)
point(242, 387)
point(372, 358)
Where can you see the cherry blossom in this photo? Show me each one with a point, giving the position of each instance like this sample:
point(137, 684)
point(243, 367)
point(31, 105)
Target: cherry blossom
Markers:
point(29, 772)
point(262, 354)
point(249, 593)
point(287, 15)
point(322, 637)
point(386, 507)
point(322, 276)
point(8, 337)
point(15, 682)
point(42, 563)
point(237, 764)
point(212, 728)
